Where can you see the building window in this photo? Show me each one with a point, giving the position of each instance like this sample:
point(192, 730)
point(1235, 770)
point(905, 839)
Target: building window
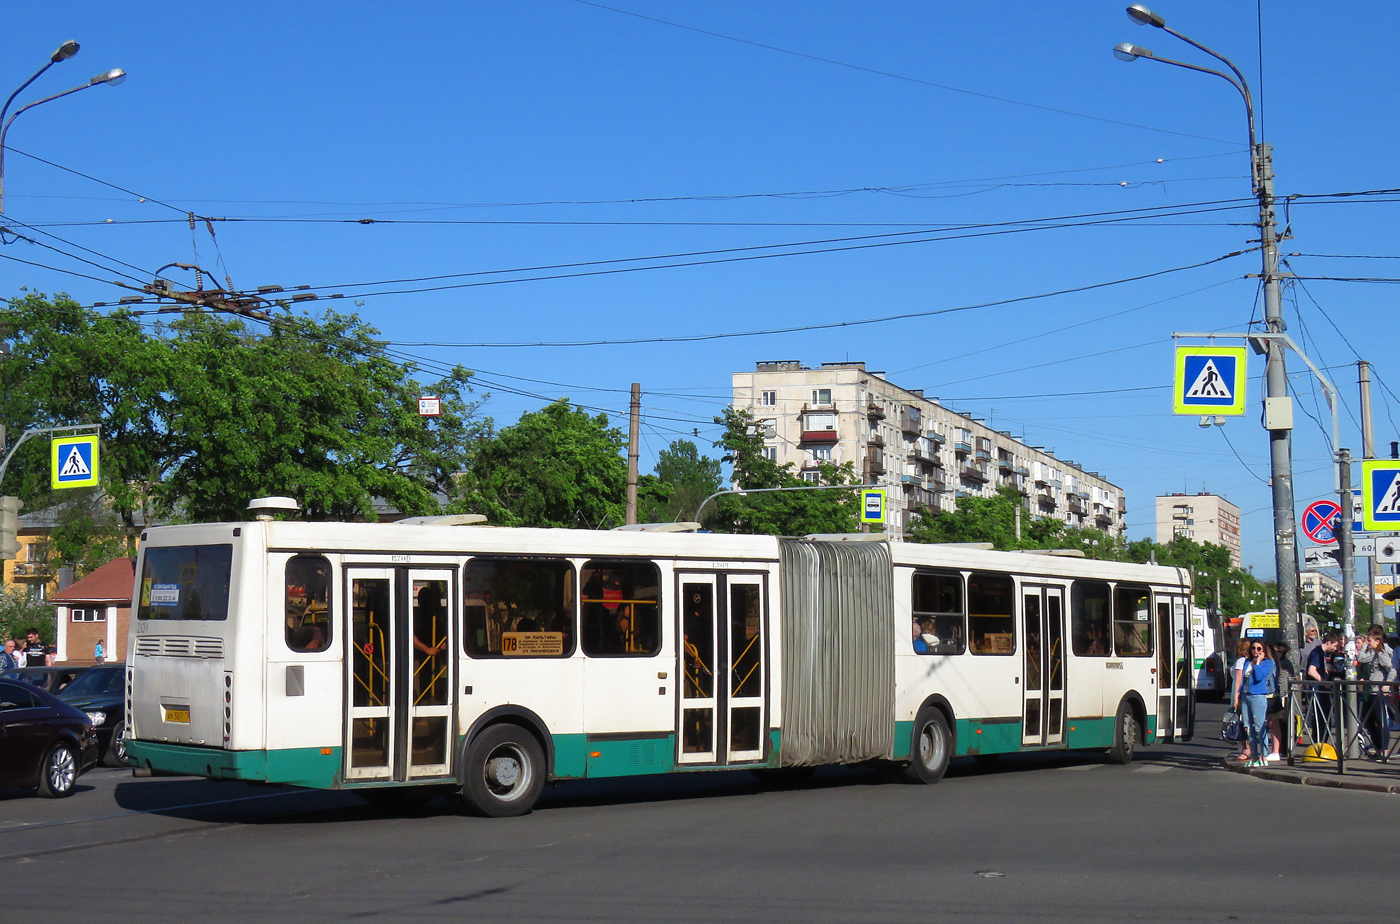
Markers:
point(822, 453)
point(768, 399)
point(821, 397)
point(811, 477)
point(770, 453)
point(88, 614)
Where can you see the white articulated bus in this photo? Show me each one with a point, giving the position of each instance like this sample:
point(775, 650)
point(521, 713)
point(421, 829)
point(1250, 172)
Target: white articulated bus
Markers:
point(408, 660)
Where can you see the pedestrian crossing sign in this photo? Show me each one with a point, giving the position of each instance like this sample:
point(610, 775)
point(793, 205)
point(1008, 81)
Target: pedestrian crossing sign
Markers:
point(74, 462)
point(1380, 494)
point(1209, 380)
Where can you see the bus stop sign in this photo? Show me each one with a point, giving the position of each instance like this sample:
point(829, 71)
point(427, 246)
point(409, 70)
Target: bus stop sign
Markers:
point(872, 506)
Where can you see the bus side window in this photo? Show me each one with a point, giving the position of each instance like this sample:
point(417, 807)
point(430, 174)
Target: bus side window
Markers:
point(307, 610)
point(939, 623)
point(991, 624)
point(621, 609)
point(518, 608)
point(1089, 619)
point(1132, 622)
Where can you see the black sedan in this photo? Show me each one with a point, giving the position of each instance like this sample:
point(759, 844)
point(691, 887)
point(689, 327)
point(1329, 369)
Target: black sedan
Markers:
point(44, 742)
point(101, 692)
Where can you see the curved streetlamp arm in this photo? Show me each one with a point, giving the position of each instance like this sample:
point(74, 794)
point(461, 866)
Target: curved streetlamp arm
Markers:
point(6, 108)
point(5, 127)
point(1243, 84)
point(1239, 85)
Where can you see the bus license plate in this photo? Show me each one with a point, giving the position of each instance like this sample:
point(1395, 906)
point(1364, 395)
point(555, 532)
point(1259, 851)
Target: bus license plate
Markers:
point(177, 714)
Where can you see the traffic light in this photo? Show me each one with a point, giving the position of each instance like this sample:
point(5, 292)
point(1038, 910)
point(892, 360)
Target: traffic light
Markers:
point(9, 526)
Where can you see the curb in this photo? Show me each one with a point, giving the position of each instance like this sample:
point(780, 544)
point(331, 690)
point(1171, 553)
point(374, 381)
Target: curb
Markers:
point(1327, 782)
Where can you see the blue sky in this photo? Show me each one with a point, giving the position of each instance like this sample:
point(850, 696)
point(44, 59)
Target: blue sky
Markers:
point(484, 137)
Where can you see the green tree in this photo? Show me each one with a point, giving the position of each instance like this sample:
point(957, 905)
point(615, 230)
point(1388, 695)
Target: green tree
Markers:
point(682, 480)
point(203, 414)
point(781, 513)
point(557, 466)
point(19, 610)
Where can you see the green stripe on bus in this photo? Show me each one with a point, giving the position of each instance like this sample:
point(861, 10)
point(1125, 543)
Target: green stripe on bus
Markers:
point(317, 768)
point(1089, 733)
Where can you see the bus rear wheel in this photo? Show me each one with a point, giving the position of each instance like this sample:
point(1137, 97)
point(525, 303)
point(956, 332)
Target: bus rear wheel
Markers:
point(1125, 736)
point(931, 748)
point(505, 772)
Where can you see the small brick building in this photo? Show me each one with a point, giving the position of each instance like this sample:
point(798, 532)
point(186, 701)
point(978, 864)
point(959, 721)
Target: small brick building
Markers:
point(97, 607)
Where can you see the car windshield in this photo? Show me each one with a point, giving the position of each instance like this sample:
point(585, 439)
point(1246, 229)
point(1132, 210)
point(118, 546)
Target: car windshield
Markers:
point(96, 682)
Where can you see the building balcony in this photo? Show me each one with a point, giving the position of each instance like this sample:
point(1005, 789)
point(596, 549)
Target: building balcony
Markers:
point(910, 423)
point(983, 455)
point(877, 440)
point(936, 437)
point(922, 453)
point(912, 481)
point(874, 464)
point(874, 410)
point(1023, 471)
point(29, 569)
point(1076, 504)
point(820, 436)
point(1005, 465)
point(1102, 520)
point(973, 473)
point(1045, 500)
point(962, 447)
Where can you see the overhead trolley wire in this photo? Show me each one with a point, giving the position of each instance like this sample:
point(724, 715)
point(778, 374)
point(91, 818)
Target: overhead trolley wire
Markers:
point(917, 80)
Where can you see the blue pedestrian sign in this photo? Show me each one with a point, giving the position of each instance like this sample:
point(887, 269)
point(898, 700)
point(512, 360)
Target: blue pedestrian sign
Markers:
point(1380, 494)
point(872, 506)
point(74, 462)
point(1209, 380)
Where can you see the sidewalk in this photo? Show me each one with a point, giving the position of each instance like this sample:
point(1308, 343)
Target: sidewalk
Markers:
point(1364, 775)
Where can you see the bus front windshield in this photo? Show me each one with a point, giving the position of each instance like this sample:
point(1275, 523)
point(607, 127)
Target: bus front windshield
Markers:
point(185, 582)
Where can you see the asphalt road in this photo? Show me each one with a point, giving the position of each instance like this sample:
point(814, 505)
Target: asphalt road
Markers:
point(1052, 837)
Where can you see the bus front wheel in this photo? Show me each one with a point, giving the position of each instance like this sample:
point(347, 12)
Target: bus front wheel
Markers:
point(504, 772)
point(931, 748)
point(1125, 736)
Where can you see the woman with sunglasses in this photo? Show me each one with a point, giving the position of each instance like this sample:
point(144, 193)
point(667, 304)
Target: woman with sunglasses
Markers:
point(1258, 684)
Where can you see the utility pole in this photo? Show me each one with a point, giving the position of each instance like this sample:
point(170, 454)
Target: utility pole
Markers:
point(1278, 407)
point(1368, 451)
point(1343, 534)
point(633, 434)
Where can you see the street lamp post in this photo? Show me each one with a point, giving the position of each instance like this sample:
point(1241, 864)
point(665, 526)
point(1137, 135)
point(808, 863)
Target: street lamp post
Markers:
point(1278, 415)
point(65, 51)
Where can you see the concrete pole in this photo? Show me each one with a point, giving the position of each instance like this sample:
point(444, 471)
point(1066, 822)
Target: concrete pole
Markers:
point(1278, 417)
point(1368, 451)
point(1348, 563)
point(633, 436)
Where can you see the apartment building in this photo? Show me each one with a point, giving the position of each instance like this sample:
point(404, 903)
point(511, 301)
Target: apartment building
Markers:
point(922, 453)
point(1202, 517)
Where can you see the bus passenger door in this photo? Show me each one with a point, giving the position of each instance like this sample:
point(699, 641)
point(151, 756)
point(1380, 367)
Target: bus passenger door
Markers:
point(1043, 664)
point(373, 674)
point(722, 702)
point(398, 726)
point(1175, 705)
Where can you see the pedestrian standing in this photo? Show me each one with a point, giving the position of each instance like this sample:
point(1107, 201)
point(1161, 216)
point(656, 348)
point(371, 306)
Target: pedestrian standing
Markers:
point(1281, 738)
point(97, 651)
point(9, 657)
point(1236, 676)
point(1375, 663)
point(1258, 683)
point(36, 653)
